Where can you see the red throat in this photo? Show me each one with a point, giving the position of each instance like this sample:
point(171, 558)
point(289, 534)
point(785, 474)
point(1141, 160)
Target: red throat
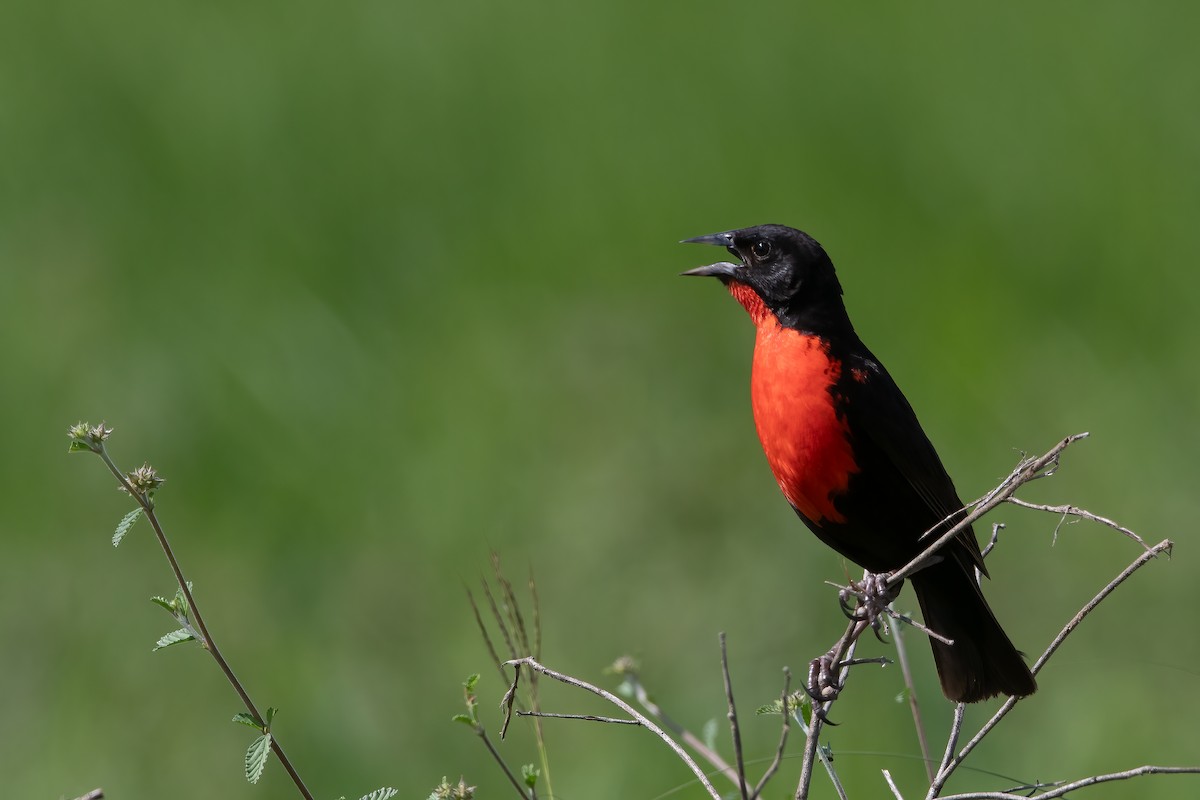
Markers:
point(805, 441)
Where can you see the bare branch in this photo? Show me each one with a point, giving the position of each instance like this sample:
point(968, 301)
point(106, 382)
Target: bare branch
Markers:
point(960, 712)
point(1029, 469)
point(1080, 513)
point(584, 717)
point(733, 721)
point(948, 767)
point(892, 785)
point(506, 703)
point(1062, 790)
point(996, 528)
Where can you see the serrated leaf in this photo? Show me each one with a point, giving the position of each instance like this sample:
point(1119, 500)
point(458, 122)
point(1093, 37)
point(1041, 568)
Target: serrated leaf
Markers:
point(463, 718)
point(164, 602)
point(382, 793)
point(174, 637)
point(180, 602)
point(271, 712)
point(470, 682)
point(125, 524)
point(256, 757)
point(247, 719)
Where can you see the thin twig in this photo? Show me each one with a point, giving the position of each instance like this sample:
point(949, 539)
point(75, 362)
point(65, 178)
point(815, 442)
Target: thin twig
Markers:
point(913, 705)
point(94, 794)
point(205, 640)
point(892, 785)
point(960, 713)
point(482, 733)
point(1063, 789)
point(992, 542)
point(1081, 513)
point(733, 721)
point(783, 736)
point(1029, 469)
point(584, 717)
point(506, 702)
point(944, 774)
point(628, 709)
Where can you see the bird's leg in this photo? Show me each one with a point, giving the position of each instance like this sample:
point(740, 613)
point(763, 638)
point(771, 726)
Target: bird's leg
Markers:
point(872, 596)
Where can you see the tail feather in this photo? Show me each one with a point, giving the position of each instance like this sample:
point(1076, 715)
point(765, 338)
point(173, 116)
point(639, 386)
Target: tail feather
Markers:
point(982, 662)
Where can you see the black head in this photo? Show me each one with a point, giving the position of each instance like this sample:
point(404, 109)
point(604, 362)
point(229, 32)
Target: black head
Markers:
point(785, 267)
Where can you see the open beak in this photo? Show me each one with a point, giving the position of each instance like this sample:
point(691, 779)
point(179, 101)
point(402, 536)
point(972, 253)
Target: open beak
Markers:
point(722, 269)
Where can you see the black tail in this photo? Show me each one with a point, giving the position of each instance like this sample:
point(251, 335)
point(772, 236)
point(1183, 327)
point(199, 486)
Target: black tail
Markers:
point(982, 662)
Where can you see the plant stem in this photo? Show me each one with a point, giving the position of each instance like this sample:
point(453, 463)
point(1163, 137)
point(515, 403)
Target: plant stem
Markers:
point(206, 640)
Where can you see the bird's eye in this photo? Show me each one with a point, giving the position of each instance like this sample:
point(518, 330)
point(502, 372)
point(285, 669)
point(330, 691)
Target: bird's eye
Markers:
point(761, 249)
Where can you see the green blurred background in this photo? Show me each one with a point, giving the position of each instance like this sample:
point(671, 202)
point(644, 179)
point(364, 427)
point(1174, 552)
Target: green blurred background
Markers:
point(380, 286)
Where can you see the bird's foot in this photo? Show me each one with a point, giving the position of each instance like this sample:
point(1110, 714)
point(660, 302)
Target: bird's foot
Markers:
point(872, 596)
point(823, 684)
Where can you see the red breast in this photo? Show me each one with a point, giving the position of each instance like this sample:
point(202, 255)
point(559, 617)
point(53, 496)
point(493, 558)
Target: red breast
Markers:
point(805, 441)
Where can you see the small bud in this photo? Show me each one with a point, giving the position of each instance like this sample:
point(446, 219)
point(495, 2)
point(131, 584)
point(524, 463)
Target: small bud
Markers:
point(87, 437)
point(144, 480)
point(449, 791)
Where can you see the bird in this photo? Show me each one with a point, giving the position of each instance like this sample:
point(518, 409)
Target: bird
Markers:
point(850, 456)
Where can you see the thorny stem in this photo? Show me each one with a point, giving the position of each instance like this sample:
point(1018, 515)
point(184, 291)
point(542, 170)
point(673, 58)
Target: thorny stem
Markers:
point(206, 640)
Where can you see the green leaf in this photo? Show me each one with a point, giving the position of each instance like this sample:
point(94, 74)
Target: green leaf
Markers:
point(164, 602)
point(256, 757)
point(180, 602)
point(770, 708)
point(271, 712)
point(125, 524)
point(78, 447)
point(469, 683)
point(174, 637)
point(464, 719)
point(382, 793)
point(248, 719)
